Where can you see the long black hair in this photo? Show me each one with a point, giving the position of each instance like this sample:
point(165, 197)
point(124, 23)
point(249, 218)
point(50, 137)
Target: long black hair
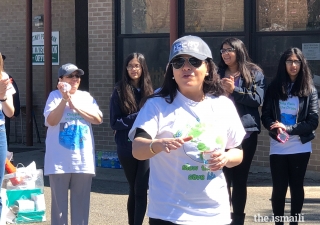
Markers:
point(245, 65)
point(126, 89)
point(211, 84)
point(281, 83)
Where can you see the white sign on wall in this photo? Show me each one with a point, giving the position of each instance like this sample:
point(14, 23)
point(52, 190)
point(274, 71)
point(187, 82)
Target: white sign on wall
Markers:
point(311, 51)
point(38, 48)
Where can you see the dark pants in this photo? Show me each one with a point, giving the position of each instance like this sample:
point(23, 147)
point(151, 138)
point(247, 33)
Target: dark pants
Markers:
point(238, 175)
point(288, 169)
point(137, 174)
point(153, 221)
point(159, 222)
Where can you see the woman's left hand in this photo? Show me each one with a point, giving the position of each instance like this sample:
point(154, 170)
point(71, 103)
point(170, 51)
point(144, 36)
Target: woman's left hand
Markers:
point(218, 160)
point(278, 125)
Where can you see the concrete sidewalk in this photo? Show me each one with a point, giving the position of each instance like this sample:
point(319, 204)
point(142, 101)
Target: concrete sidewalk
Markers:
point(110, 188)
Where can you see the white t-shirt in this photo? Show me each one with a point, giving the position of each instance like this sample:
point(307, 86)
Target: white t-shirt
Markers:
point(70, 144)
point(289, 110)
point(181, 189)
point(10, 91)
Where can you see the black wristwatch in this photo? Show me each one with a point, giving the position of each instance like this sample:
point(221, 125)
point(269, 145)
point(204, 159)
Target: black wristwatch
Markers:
point(4, 99)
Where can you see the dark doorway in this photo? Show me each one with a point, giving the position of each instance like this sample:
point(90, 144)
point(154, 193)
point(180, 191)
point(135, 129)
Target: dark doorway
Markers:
point(82, 51)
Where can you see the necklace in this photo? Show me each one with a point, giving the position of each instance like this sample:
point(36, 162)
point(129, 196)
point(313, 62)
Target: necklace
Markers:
point(195, 104)
point(230, 74)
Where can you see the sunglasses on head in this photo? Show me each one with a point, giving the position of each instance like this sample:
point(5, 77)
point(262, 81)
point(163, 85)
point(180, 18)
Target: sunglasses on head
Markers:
point(73, 75)
point(177, 63)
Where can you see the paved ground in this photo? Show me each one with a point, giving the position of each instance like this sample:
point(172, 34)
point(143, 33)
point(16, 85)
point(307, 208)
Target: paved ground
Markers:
point(109, 194)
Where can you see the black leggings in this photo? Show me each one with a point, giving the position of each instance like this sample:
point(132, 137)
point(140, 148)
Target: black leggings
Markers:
point(153, 221)
point(288, 169)
point(238, 175)
point(137, 174)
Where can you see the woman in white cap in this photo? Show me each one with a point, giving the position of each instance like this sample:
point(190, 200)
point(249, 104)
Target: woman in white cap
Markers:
point(69, 158)
point(184, 130)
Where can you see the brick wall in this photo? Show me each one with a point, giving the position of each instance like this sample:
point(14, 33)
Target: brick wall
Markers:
point(101, 65)
point(12, 44)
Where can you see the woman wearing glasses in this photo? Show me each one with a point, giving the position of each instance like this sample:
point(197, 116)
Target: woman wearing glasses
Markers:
point(244, 84)
point(184, 130)
point(124, 108)
point(290, 107)
point(69, 158)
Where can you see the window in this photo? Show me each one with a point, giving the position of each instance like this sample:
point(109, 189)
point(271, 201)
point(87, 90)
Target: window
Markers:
point(141, 16)
point(288, 15)
point(214, 15)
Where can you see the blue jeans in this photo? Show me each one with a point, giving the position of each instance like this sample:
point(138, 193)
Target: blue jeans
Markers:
point(3, 155)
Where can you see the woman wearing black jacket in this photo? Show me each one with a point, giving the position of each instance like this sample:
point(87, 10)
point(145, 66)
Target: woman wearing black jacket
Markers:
point(124, 108)
point(290, 106)
point(244, 83)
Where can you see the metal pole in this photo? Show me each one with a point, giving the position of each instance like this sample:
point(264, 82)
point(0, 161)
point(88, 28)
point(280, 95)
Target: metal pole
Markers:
point(47, 47)
point(29, 100)
point(173, 21)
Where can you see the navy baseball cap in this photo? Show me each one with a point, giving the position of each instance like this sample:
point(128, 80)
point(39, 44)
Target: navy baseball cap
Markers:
point(69, 68)
point(190, 45)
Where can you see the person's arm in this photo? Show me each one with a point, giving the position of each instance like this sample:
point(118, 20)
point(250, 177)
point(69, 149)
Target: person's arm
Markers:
point(230, 158)
point(7, 106)
point(6, 97)
point(143, 148)
point(117, 120)
point(91, 117)
point(268, 110)
point(56, 114)
point(252, 97)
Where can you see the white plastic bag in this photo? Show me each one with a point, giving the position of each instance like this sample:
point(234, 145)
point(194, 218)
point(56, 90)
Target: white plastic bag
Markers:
point(4, 207)
point(25, 200)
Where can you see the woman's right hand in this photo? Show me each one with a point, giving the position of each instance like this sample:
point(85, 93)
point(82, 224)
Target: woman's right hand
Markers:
point(168, 144)
point(65, 95)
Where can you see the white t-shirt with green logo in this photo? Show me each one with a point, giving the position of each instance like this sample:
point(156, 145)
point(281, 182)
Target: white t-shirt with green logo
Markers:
point(181, 189)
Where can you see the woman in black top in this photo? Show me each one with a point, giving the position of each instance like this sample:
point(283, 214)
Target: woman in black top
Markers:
point(124, 108)
point(290, 107)
point(244, 84)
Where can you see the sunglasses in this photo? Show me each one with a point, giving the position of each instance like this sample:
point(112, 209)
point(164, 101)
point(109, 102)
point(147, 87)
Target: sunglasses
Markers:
point(72, 76)
point(177, 63)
